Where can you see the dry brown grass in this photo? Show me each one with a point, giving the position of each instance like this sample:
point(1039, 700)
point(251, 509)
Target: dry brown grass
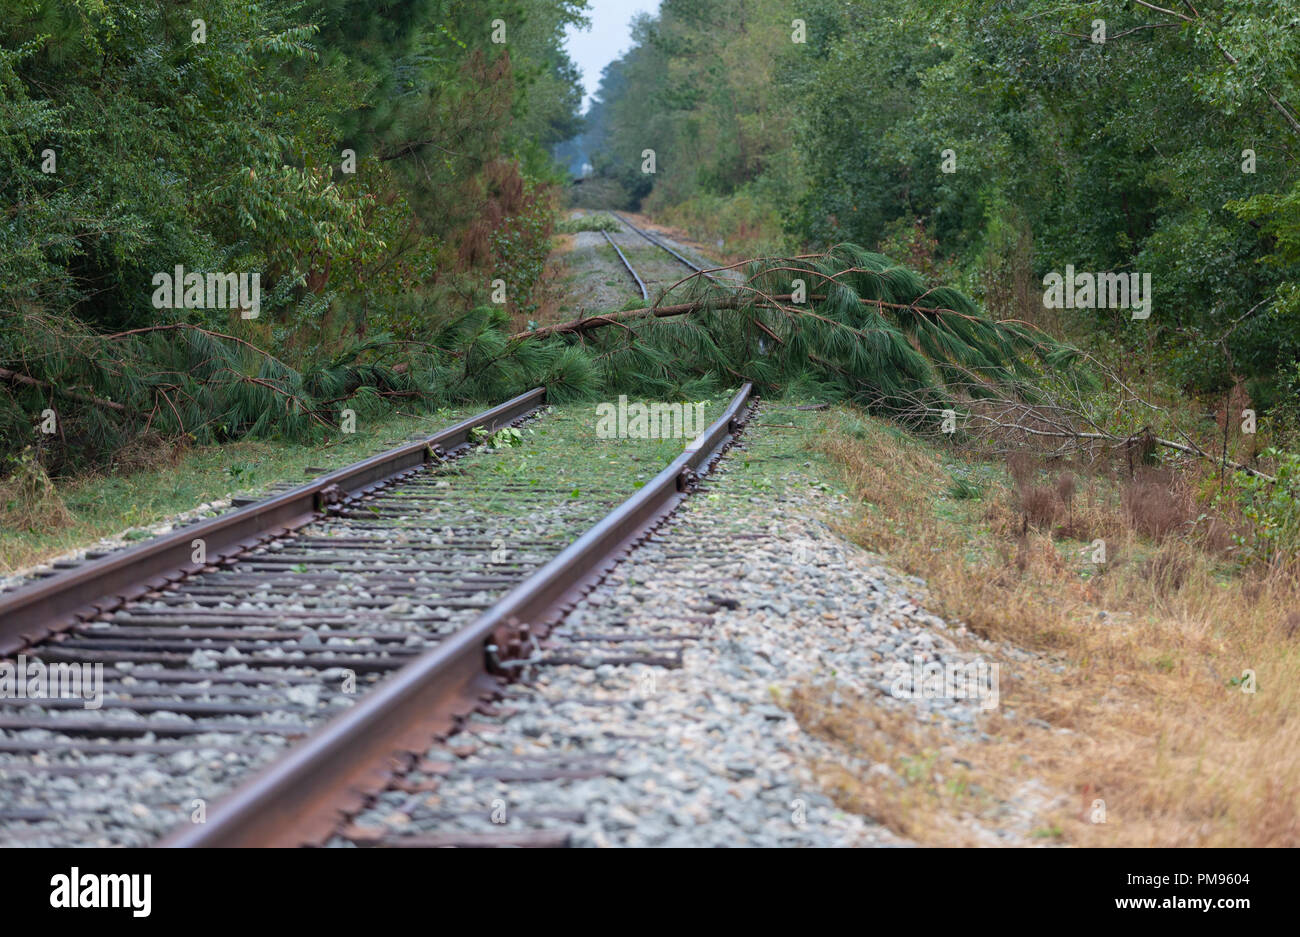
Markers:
point(28, 499)
point(550, 291)
point(908, 797)
point(148, 452)
point(1151, 648)
point(1158, 503)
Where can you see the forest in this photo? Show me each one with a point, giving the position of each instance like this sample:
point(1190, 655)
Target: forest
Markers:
point(377, 166)
point(988, 144)
point(1088, 206)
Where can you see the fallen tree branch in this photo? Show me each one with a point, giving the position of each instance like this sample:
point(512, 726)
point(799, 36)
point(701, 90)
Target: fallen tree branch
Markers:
point(193, 328)
point(732, 302)
point(13, 377)
point(1064, 431)
point(613, 318)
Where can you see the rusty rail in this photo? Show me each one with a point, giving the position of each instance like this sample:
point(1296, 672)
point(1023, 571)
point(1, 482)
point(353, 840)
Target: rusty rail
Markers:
point(53, 604)
point(658, 243)
point(645, 294)
point(302, 797)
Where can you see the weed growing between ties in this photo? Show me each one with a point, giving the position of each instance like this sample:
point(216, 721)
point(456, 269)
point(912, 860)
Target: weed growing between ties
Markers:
point(38, 522)
point(1156, 707)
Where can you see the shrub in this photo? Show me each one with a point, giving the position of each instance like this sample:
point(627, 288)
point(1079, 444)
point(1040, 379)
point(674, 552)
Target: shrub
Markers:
point(1273, 510)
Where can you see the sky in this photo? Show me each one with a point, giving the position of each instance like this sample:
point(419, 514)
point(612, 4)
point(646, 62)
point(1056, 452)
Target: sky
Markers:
point(609, 37)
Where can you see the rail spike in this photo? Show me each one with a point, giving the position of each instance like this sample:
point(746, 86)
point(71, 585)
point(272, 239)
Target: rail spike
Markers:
point(509, 646)
point(331, 494)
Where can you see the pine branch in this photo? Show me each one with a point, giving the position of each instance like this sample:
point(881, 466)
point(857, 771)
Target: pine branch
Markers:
point(13, 377)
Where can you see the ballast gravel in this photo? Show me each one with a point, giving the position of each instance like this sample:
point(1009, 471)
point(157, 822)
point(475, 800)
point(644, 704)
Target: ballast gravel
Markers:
point(749, 589)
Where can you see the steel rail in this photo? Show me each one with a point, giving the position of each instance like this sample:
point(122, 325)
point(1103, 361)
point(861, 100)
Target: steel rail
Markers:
point(658, 243)
point(302, 797)
point(645, 294)
point(47, 606)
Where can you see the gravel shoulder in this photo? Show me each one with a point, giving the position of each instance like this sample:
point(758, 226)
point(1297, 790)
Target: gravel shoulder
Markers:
point(659, 712)
point(658, 707)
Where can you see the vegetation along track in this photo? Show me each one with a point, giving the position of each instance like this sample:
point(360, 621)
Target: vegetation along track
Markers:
point(305, 603)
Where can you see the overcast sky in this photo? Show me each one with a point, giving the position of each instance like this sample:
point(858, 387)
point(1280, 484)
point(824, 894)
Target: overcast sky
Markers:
point(609, 37)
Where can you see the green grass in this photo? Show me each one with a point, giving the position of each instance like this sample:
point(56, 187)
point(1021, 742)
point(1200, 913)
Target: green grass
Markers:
point(106, 506)
point(123, 505)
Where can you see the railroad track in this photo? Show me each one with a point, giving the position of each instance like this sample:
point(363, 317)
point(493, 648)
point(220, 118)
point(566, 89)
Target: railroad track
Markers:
point(659, 275)
point(627, 265)
point(492, 782)
point(658, 242)
point(328, 628)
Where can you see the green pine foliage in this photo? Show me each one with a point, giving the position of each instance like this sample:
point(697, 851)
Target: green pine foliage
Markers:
point(870, 331)
point(1169, 148)
point(376, 164)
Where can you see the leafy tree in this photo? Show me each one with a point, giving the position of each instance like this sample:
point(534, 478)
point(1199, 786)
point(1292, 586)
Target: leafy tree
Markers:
point(369, 162)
